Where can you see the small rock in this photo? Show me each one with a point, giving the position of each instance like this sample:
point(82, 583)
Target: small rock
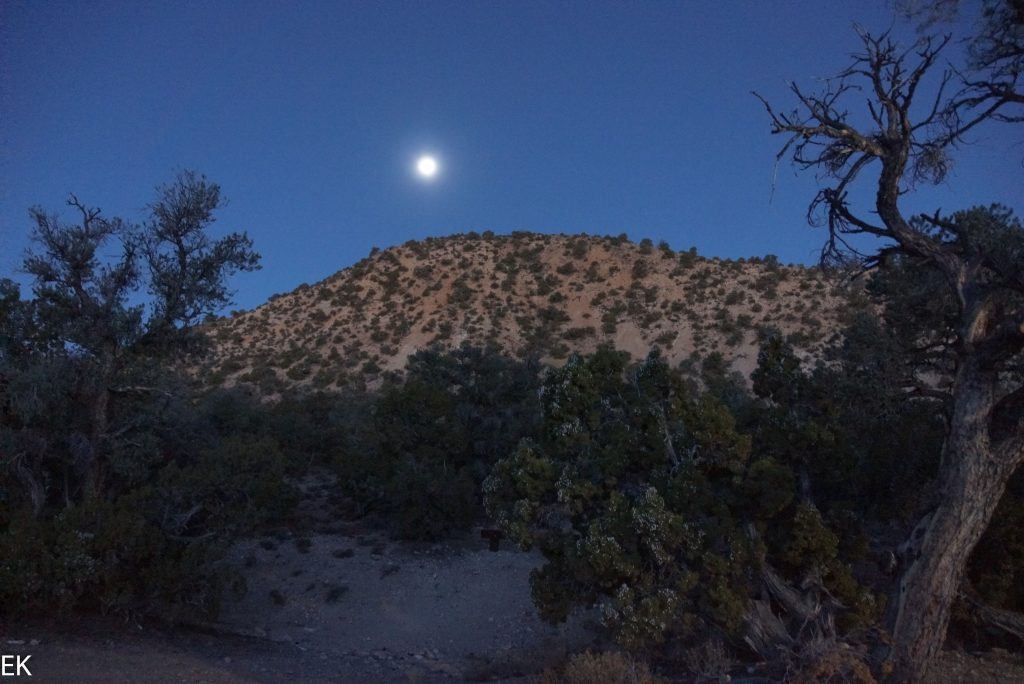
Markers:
point(227, 659)
point(16, 642)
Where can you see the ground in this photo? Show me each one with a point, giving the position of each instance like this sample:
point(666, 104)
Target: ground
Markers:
point(429, 616)
point(343, 608)
point(340, 602)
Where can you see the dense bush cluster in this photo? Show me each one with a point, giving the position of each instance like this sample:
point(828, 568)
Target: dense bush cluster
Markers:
point(189, 475)
point(647, 499)
point(417, 451)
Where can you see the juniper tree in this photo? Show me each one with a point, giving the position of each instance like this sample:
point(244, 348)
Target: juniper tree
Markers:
point(91, 313)
point(645, 498)
point(906, 135)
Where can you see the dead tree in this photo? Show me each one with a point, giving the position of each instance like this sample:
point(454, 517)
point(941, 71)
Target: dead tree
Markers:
point(985, 439)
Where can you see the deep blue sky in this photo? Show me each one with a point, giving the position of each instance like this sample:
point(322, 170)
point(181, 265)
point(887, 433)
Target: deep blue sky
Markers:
point(551, 117)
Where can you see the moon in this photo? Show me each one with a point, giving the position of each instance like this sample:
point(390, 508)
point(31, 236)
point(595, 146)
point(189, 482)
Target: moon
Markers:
point(427, 167)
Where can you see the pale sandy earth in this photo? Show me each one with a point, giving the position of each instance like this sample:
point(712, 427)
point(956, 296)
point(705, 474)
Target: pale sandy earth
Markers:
point(456, 608)
point(496, 291)
point(397, 614)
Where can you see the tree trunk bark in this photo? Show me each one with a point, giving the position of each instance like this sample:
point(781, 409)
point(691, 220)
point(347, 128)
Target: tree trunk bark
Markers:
point(974, 477)
point(100, 420)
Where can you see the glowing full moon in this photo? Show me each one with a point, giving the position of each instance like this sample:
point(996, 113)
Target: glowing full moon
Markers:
point(426, 166)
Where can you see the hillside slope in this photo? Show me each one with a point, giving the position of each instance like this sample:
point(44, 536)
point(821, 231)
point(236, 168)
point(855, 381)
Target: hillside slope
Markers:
point(525, 293)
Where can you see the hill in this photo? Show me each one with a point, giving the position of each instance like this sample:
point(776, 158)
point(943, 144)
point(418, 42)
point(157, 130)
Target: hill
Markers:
point(525, 293)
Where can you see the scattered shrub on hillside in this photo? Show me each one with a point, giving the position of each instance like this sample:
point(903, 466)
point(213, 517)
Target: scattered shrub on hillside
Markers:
point(559, 351)
point(666, 338)
point(733, 298)
point(688, 258)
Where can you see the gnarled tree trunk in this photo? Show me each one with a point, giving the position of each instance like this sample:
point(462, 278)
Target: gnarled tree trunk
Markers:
point(978, 252)
point(974, 475)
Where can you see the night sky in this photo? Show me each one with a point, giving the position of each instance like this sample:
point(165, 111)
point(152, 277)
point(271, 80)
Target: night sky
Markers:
point(593, 117)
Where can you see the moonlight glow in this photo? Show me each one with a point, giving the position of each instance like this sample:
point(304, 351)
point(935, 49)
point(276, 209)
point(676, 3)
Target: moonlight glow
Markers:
point(426, 167)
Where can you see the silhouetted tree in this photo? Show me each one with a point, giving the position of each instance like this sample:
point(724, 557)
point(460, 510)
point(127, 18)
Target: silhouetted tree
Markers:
point(976, 256)
point(995, 50)
point(90, 314)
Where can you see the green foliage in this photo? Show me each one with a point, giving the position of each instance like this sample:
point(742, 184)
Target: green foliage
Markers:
point(234, 487)
point(688, 259)
point(640, 496)
point(192, 477)
point(725, 384)
point(418, 451)
point(106, 557)
point(417, 442)
point(848, 429)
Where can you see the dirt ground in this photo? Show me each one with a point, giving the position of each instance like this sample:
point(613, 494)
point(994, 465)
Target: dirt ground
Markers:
point(340, 602)
point(330, 601)
point(110, 652)
point(457, 609)
point(342, 609)
point(405, 615)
